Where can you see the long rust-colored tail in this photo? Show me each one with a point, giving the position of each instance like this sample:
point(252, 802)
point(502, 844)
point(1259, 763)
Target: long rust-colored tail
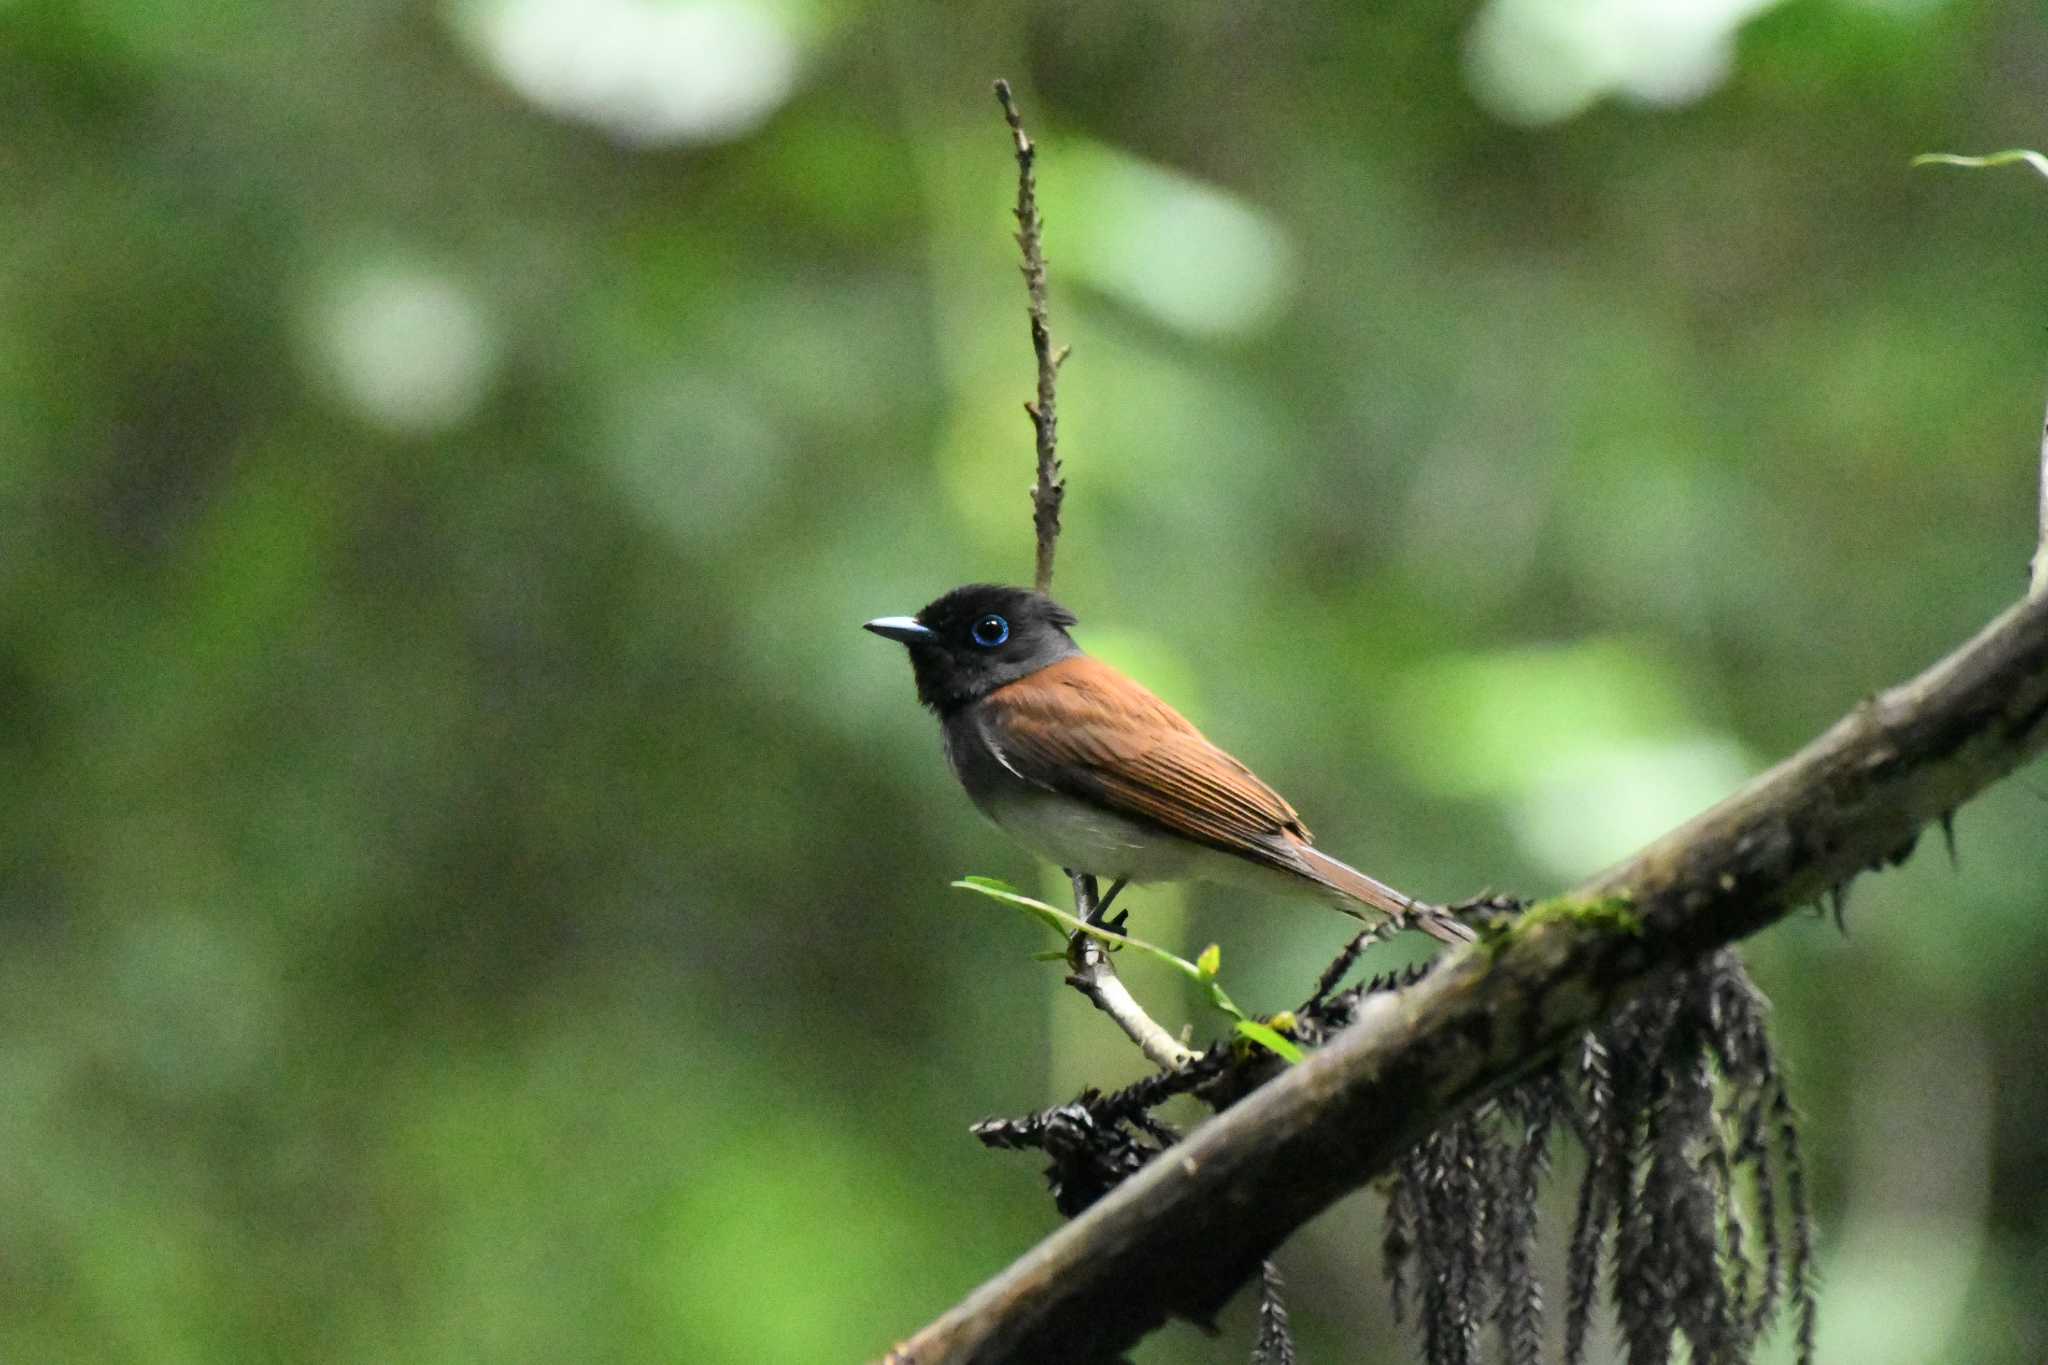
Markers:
point(1348, 880)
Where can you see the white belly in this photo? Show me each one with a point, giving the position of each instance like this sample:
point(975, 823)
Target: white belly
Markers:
point(1085, 839)
point(1101, 842)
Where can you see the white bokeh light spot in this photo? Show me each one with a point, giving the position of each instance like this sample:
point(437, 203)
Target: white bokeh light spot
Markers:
point(1543, 61)
point(407, 347)
point(646, 72)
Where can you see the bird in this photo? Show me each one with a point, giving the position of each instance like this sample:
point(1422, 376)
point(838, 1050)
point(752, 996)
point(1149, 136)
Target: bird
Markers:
point(1084, 766)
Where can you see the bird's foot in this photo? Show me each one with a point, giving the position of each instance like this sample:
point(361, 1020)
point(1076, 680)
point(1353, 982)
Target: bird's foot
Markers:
point(1115, 925)
point(1101, 912)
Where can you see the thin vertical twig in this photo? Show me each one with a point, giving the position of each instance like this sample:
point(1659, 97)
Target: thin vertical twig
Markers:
point(1093, 974)
point(2037, 575)
point(1049, 489)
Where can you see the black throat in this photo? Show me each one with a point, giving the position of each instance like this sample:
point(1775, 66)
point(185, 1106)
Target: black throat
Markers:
point(964, 661)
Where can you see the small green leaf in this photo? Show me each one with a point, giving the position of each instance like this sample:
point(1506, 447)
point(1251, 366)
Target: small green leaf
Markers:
point(2013, 157)
point(1060, 922)
point(996, 890)
point(1270, 1040)
point(1050, 955)
point(1222, 1001)
point(989, 884)
point(1202, 973)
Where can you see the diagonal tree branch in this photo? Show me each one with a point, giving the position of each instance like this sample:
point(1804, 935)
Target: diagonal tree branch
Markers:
point(1181, 1236)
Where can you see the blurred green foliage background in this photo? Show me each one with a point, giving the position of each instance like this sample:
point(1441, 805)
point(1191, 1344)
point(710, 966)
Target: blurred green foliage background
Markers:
point(472, 893)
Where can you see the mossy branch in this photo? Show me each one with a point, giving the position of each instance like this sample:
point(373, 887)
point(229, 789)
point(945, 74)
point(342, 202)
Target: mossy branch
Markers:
point(1181, 1235)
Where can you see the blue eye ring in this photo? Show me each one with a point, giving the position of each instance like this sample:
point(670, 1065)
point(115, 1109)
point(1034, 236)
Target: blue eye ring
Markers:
point(990, 631)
